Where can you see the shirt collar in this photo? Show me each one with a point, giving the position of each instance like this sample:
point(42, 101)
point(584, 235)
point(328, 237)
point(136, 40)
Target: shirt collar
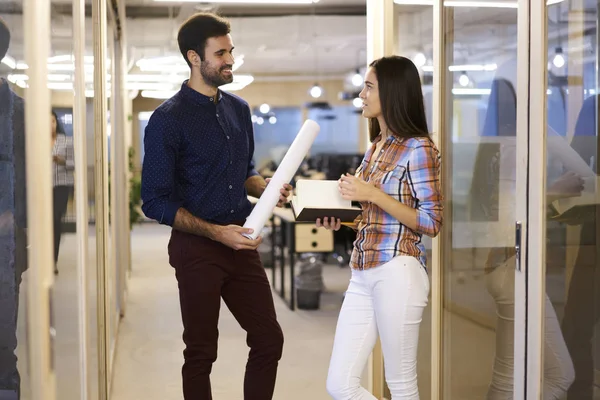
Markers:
point(196, 96)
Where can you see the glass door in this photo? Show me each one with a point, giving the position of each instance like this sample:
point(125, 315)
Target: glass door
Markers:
point(481, 119)
point(569, 308)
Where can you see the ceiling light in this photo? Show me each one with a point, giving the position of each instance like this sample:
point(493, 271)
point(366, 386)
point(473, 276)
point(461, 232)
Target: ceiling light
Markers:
point(467, 67)
point(465, 3)
point(357, 102)
point(464, 80)
point(13, 78)
point(420, 59)
point(158, 94)
point(316, 91)
point(260, 120)
point(243, 1)
point(273, 120)
point(357, 79)
point(9, 62)
point(470, 92)
point(174, 64)
point(559, 59)
point(264, 108)
point(149, 86)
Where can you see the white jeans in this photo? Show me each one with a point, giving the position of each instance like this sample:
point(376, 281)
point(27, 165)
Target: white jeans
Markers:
point(558, 367)
point(389, 300)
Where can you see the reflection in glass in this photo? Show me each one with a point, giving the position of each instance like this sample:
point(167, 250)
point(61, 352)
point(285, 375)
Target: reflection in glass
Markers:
point(13, 223)
point(480, 151)
point(573, 276)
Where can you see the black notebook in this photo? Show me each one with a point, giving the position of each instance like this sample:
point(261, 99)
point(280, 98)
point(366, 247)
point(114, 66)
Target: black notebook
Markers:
point(319, 199)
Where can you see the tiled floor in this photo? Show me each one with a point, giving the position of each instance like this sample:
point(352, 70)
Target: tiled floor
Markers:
point(149, 347)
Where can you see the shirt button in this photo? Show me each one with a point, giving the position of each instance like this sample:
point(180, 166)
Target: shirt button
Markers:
point(230, 162)
point(232, 211)
point(227, 137)
point(230, 187)
point(217, 115)
point(211, 99)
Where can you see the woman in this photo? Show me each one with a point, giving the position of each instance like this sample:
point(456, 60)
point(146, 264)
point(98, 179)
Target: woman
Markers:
point(63, 164)
point(398, 187)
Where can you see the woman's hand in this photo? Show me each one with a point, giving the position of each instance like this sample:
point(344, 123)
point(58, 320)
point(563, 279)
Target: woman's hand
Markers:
point(355, 189)
point(568, 185)
point(329, 223)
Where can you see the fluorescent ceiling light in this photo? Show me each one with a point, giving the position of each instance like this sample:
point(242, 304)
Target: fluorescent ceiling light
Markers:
point(174, 64)
point(242, 1)
point(465, 3)
point(156, 94)
point(9, 62)
point(471, 92)
point(17, 77)
point(148, 86)
point(155, 78)
point(465, 68)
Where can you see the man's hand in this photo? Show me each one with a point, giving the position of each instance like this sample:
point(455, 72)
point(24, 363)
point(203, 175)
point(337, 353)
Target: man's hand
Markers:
point(284, 193)
point(232, 236)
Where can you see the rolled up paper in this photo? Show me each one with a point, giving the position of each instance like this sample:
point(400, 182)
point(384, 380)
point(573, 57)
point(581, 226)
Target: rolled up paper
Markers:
point(284, 174)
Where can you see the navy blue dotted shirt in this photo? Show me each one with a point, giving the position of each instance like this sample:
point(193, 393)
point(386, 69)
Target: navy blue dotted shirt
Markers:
point(198, 155)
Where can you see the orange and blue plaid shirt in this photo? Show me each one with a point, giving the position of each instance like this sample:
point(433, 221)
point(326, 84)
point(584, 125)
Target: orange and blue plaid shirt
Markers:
point(409, 171)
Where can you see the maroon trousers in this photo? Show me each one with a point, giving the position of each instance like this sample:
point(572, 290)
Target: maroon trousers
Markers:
point(207, 271)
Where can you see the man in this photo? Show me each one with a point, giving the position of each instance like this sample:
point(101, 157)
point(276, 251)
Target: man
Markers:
point(13, 243)
point(197, 174)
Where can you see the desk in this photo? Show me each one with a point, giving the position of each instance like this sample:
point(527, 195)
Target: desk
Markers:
point(297, 237)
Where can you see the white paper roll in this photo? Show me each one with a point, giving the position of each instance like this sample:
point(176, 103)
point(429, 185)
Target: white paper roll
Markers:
point(284, 174)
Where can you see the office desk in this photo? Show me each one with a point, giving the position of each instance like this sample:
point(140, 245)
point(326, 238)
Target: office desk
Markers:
point(296, 237)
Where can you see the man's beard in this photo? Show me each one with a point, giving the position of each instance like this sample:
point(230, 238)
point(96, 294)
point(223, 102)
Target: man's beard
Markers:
point(213, 77)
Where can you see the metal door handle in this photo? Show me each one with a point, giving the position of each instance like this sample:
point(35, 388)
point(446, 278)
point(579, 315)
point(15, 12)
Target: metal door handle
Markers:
point(518, 227)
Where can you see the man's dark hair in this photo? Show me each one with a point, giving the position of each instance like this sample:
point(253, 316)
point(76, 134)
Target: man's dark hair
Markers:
point(197, 29)
point(4, 39)
point(401, 98)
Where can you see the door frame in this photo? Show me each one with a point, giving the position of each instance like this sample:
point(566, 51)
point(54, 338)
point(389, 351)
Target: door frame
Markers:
point(536, 236)
point(39, 280)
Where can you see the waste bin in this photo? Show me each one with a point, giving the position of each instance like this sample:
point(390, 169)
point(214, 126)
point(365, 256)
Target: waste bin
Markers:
point(309, 282)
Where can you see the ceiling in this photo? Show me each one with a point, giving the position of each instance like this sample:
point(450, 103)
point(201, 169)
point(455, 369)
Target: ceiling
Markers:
point(312, 42)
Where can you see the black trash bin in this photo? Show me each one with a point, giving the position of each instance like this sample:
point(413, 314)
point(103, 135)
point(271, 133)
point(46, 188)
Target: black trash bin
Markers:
point(309, 282)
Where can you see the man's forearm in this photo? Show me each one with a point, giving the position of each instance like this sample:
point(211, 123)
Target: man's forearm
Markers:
point(186, 222)
point(255, 185)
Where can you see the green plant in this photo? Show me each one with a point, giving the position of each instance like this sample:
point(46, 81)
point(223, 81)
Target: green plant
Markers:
point(135, 192)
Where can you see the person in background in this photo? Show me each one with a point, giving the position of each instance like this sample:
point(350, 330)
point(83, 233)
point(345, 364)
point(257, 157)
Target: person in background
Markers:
point(13, 225)
point(398, 187)
point(63, 165)
point(197, 173)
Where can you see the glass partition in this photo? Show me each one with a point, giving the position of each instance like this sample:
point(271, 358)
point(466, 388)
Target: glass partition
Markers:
point(571, 361)
point(27, 325)
point(480, 152)
point(414, 30)
point(15, 347)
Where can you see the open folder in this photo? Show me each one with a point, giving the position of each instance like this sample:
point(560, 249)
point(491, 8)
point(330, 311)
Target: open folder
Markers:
point(319, 199)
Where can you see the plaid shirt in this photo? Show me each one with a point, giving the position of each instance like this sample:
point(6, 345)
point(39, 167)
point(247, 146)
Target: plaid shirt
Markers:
point(408, 170)
point(62, 175)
